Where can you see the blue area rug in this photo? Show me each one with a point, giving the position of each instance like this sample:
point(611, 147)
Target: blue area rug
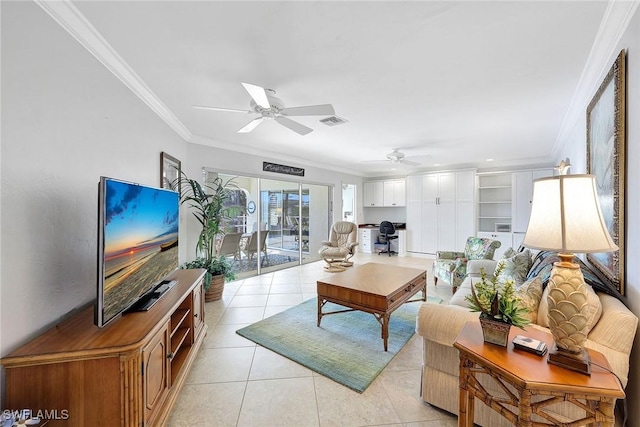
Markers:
point(347, 347)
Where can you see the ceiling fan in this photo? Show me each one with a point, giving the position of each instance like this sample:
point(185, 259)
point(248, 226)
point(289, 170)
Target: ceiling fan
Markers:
point(265, 103)
point(395, 156)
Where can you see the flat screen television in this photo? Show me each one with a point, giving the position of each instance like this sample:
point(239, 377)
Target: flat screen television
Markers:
point(137, 246)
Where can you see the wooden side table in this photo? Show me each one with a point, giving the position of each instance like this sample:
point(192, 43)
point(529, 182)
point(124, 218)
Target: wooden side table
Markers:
point(523, 376)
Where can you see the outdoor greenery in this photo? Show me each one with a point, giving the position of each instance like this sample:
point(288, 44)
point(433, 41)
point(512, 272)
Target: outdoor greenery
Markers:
point(208, 204)
point(497, 300)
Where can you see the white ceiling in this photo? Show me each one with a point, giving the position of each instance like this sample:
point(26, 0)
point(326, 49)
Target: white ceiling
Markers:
point(451, 83)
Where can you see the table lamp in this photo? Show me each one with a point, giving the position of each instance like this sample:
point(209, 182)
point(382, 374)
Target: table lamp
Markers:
point(566, 217)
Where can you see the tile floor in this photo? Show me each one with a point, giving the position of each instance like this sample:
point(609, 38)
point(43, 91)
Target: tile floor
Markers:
point(235, 382)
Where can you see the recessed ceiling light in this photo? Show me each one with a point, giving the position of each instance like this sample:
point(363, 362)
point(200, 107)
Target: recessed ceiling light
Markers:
point(489, 160)
point(436, 164)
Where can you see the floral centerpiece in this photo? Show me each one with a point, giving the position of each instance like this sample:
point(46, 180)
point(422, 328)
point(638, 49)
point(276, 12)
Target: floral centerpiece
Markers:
point(498, 306)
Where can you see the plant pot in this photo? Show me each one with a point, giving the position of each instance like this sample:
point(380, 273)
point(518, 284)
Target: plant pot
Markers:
point(214, 293)
point(495, 331)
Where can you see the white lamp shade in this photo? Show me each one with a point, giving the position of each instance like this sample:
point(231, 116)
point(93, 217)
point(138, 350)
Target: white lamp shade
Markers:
point(566, 216)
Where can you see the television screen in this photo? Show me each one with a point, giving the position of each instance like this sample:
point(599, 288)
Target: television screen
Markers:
point(137, 243)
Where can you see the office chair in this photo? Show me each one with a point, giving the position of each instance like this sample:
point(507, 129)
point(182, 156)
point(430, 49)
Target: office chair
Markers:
point(387, 230)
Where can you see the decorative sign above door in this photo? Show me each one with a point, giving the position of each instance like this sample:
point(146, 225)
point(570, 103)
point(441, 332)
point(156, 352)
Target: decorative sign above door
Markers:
point(276, 168)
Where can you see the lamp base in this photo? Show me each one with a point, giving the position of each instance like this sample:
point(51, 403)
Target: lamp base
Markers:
point(579, 362)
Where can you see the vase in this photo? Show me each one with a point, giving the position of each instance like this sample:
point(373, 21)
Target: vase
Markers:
point(494, 331)
point(214, 293)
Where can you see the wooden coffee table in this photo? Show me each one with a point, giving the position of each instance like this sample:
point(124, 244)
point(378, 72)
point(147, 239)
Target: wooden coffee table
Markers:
point(374, 288)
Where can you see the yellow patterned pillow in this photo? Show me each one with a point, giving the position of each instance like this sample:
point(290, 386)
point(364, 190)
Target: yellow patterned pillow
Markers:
point(530, 293)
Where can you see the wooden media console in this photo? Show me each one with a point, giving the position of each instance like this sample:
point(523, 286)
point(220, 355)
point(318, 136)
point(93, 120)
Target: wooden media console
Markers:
point(126, 374)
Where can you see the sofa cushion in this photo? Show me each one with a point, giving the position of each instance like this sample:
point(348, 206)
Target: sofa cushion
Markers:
point(516, 266)
point(530, 294)
point(593, 312)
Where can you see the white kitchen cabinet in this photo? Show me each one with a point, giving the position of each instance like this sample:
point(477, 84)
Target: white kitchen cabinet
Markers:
point(372, 194)
point(522, 195)
point(388, 193)
point(394, 192)
point(440, 211)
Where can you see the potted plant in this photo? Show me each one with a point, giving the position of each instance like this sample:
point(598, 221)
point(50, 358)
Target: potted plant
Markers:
point(208, 204)
point(218, 269)
point(498, 307)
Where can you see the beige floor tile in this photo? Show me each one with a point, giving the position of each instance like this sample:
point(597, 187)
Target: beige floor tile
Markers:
point(268, 365)
point(248, 301)
point(284, 299)
point(275, 309)
point(403, 389)
point(215, 365)
point(281, 402)
point(289, 288)
point(241, 315)
point(409, 356)
point(224, 336)
point(207, 405)
point(450, 421)
point(261, 289)
point(264, 279)
point(340, 406)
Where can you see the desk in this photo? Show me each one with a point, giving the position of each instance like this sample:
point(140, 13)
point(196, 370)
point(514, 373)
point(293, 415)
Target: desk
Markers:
point(530, 383)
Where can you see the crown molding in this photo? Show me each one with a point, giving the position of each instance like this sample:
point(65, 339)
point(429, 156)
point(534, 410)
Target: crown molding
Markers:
point(605, 46)
point(77, 25)
point(202, 140)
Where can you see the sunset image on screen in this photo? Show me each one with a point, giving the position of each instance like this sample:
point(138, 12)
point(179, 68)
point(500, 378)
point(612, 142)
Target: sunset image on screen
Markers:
point(140, 241)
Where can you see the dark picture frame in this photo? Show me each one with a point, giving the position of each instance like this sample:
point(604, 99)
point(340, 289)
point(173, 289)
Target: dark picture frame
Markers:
point(170, 169)
point(606, 159)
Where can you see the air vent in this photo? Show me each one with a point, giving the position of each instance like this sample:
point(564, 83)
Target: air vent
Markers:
point(333, 121)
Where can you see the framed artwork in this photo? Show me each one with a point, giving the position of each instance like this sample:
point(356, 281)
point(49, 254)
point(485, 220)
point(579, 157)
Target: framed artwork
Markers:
point(606, 146)
point(169, 170)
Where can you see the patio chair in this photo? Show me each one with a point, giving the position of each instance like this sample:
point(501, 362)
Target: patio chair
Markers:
point(252, 245)
point(229, 244)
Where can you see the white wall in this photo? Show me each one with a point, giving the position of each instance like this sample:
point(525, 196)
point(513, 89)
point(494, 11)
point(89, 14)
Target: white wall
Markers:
point(574, 146)
point(66, 121)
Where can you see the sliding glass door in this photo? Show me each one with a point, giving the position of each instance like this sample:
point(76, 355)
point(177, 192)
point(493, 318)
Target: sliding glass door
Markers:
point(282, 222)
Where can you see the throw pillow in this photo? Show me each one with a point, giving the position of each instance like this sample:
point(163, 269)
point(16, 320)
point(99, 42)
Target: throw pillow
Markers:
point(593, 312)
point(529, 294)
point(516, 266)
point(543, 264)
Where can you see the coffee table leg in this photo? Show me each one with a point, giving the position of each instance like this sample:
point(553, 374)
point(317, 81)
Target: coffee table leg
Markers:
point(319, 310)
point(385, 329)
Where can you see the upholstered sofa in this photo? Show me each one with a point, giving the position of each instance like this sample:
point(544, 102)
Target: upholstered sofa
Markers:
point(438, 325)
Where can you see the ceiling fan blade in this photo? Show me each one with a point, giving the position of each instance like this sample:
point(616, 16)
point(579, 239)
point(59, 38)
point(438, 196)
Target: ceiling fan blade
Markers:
point(258, 94)
point(231, 110)
point(310, 110)
point(293, 125)
point(251, 125)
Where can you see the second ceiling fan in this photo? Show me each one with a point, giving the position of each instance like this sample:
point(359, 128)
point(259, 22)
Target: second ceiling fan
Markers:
point(264, 102)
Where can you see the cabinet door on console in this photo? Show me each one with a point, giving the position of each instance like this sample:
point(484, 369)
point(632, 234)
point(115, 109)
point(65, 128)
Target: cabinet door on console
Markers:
point(155, 356)
point(198, 310)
